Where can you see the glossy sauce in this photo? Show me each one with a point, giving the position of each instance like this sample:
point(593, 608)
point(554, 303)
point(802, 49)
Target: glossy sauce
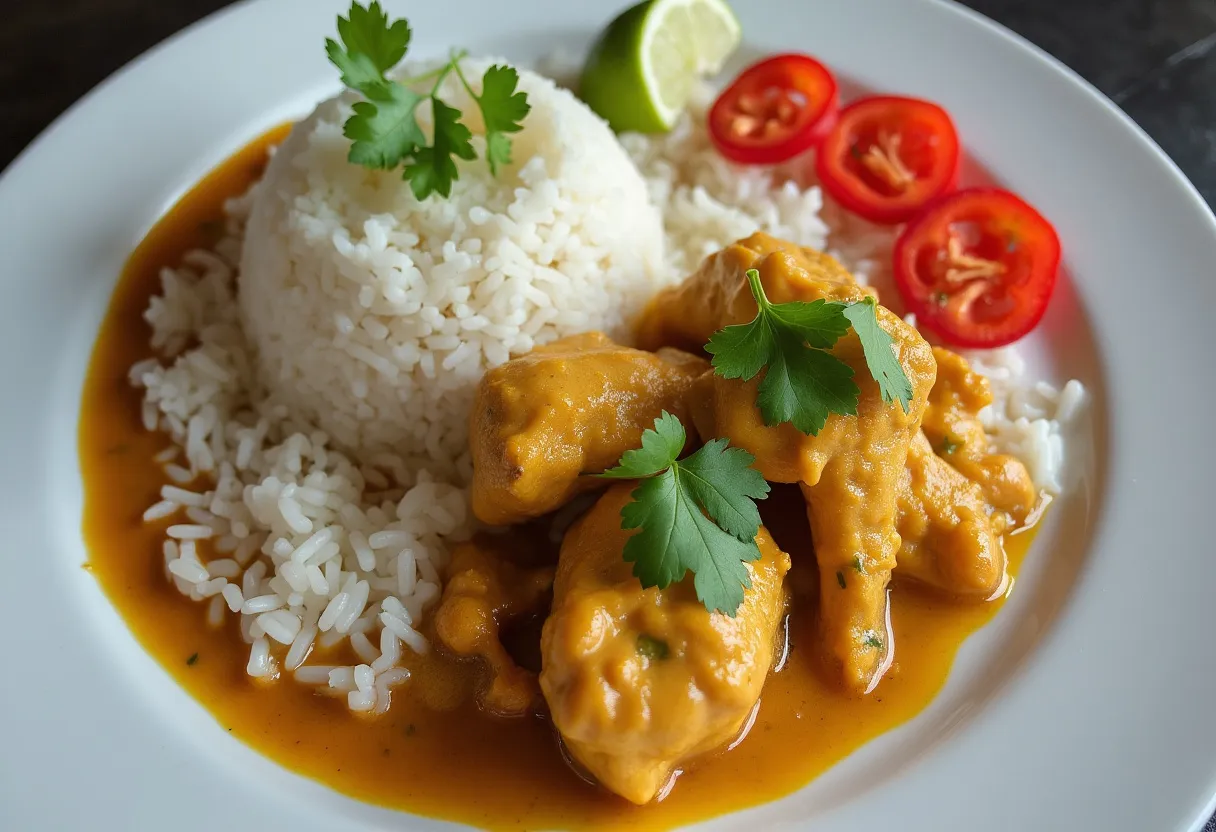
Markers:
point(432, 754)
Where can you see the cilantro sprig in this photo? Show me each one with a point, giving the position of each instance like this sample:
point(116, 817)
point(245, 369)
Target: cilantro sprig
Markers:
point(384, 128)
point(696, 514)
point(803, 382)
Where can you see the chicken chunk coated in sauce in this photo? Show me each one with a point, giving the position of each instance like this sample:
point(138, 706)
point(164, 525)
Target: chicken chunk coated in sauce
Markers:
point(717, 294)
point(563, 410)
point(957, 499)
point(640, 681)
point(850, 471)
point(950, 539)
point(485, 592)
point(952, 424)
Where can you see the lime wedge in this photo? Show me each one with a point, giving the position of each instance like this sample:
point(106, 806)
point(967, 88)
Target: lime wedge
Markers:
point(642, 68)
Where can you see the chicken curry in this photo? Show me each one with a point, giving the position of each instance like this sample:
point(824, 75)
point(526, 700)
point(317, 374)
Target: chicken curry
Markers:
point(562, 693)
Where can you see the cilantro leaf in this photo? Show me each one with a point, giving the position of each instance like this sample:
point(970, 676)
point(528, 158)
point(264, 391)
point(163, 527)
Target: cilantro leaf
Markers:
point(359, 72)
point(718, 477)
point(804, 383)
point(805, 386)
point(660, 447)
point(502, 109)
point(694, 515)
point(386, 131)
point(742, 350)
point(432, 170)
point(367, 33)
point(721, 579)
point(676, 537)
point(820, 323)
point(880, 357)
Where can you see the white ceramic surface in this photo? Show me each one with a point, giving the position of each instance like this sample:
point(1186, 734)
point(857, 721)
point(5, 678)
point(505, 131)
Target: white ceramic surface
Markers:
point(1085, 705)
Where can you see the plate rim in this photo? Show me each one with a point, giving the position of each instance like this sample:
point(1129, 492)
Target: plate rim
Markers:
point(18, 170)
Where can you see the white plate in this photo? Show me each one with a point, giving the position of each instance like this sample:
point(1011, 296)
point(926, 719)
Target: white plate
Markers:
point(1087, 704)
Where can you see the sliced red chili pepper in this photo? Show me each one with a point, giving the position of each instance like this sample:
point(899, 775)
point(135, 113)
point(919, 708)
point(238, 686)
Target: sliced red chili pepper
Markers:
point(775, 110)
point(887, 157)
point(978, 267)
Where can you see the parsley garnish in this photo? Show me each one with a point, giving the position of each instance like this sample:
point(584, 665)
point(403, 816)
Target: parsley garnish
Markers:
point(193, 658)
point(384, 128)
point(949, 445)
point(502, 109)
point(695, 514)
point(876, 345)
point(858, 567)
point(803, 382)
point(840, 580)
point(873, 640)
point(652, 648)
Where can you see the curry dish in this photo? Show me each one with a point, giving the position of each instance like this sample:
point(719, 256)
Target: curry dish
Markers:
point(560, 692)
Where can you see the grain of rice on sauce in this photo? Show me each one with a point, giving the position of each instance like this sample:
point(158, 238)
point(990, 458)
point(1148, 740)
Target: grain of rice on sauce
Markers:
point(315, 369)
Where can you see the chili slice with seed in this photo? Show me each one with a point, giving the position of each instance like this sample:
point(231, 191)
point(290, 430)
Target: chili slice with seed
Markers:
point(978, 267)
point(887, 157)
point(775, 110)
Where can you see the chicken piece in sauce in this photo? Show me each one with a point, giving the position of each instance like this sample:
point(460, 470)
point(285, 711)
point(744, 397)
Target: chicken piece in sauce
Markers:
point(850, 472)
point(956, 507)
point(486, 591)
point(641, 681)
point(717, 294)
point(952, 422)
point(950, 538)
point(563, 410)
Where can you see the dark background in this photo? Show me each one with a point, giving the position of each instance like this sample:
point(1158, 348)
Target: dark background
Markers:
point(1155, 58)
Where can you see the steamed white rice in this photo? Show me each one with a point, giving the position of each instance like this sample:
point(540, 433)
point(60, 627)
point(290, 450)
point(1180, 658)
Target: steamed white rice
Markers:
point(317, 465)
point(374, 314)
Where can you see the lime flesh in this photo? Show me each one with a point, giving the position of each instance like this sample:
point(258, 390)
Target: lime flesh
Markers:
point(642, 68)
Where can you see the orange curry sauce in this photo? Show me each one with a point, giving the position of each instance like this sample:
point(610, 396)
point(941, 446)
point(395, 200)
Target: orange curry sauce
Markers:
point(432, 754)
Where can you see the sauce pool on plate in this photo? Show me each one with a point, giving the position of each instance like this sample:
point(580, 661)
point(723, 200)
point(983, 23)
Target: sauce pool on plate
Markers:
point(433, 754)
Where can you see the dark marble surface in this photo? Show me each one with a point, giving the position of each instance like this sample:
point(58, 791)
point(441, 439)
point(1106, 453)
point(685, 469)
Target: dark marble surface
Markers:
point(1155, 58)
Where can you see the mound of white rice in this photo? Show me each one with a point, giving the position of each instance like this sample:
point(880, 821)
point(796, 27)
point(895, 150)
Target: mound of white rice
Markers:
point(373, 315)
point(315, 369)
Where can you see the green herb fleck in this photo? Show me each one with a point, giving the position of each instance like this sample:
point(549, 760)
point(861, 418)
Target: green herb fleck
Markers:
point(950, 445)
point(190, 661)
point(384, 128)
point(873, 641)
point(840, 579)
point(652, 648)
point(858, 566)
point(696, 514)
point(941, 298)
